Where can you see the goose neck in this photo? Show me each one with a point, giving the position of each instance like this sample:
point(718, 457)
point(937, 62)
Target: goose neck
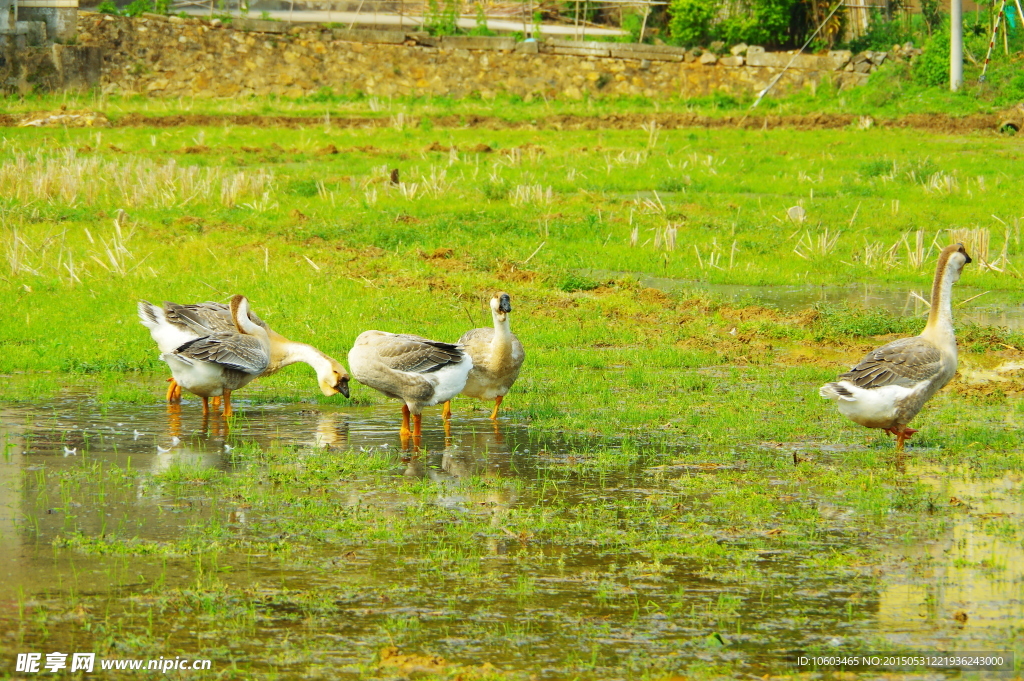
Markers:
point(502, 330)
point(940, 317)
point(289, 352)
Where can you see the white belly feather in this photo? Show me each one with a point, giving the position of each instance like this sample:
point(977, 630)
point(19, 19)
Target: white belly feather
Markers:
point(874, 407)
point(449, 381)
point(199, 378)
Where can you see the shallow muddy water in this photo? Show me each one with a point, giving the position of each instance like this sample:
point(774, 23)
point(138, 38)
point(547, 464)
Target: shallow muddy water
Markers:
point(650, 578)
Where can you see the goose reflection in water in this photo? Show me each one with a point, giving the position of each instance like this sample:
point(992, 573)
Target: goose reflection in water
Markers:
point(331, 431)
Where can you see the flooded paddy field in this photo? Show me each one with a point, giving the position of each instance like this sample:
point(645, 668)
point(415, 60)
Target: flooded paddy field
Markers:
point(303, 541)
point(665, 495)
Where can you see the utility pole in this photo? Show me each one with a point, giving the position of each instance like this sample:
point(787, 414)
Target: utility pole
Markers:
point(956, 45)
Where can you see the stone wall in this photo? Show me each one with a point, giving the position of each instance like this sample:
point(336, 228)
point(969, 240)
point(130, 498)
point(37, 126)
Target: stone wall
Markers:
point(174, 57)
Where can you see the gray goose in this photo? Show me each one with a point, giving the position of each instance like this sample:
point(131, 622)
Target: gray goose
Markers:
point(891, 384)
point(173, 325)
point(222, 361)
point(497, 356)
point(418, 371)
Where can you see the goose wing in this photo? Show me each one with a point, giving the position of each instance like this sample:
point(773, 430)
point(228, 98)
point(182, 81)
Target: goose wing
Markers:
point(905, 363)
point(235, 351)
point(474, 337)
point(206, 318)
point(414, 354)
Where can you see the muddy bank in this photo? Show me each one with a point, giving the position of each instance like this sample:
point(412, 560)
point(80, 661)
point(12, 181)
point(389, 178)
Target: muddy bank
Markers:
point(940, 123)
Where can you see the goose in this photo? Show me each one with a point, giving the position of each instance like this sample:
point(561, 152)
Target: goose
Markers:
point(418, 371)
point(892, 383)
point(497, 357)
point(173, 325)
point(221, 361)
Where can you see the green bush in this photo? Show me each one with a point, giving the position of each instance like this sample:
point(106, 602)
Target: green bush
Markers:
point(758, 22)
point(932, 66)
point(881, 34)
point(690, 22)
point(1015, 87)
point(108, 7)
point(632, 22)
point(931, 14)
point(138, 8)
point(481, 23)
point(442, 20)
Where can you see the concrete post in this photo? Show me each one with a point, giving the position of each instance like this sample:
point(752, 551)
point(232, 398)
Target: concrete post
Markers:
point(8, 16)
point(956, 45)
point(60, 16)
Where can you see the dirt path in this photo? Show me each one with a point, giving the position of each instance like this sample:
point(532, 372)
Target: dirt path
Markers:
point(941, 123)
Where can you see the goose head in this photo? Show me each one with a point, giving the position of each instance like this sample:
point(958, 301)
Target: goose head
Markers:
point(953, 258)
point(333, 379)
point(501, 305)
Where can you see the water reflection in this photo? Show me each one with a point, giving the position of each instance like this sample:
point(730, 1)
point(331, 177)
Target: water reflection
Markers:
point(154, 437)
point(967, 579)
point(331, 431)
point(13, 472)
point(999, 373)
point(476, 448)
point(36, 509)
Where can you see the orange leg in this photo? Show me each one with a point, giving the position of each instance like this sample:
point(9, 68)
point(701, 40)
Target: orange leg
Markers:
point(405, 432)
point(206, 406)
point(227, 403)
point(902, 434)
point(446, 412)
point(497, 403)
point(417, 425)
point(173, 391)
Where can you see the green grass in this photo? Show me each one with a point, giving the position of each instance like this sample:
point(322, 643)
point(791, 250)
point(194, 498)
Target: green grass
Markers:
point(356, 252)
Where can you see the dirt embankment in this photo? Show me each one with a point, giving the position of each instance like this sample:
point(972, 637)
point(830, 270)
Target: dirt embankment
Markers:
point(940, 123)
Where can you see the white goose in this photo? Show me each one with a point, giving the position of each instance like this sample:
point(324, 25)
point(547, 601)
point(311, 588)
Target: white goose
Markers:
point(418, 371)
point(891, 384)
point(497, 356)
point(222, 361)
point(174, 325)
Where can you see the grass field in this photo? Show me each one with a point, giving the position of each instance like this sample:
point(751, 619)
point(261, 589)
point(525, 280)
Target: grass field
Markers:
point(666, 497)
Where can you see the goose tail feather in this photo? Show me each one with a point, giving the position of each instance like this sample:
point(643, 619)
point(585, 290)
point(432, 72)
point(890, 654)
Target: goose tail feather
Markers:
point(149, 314)
point(836, 391)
